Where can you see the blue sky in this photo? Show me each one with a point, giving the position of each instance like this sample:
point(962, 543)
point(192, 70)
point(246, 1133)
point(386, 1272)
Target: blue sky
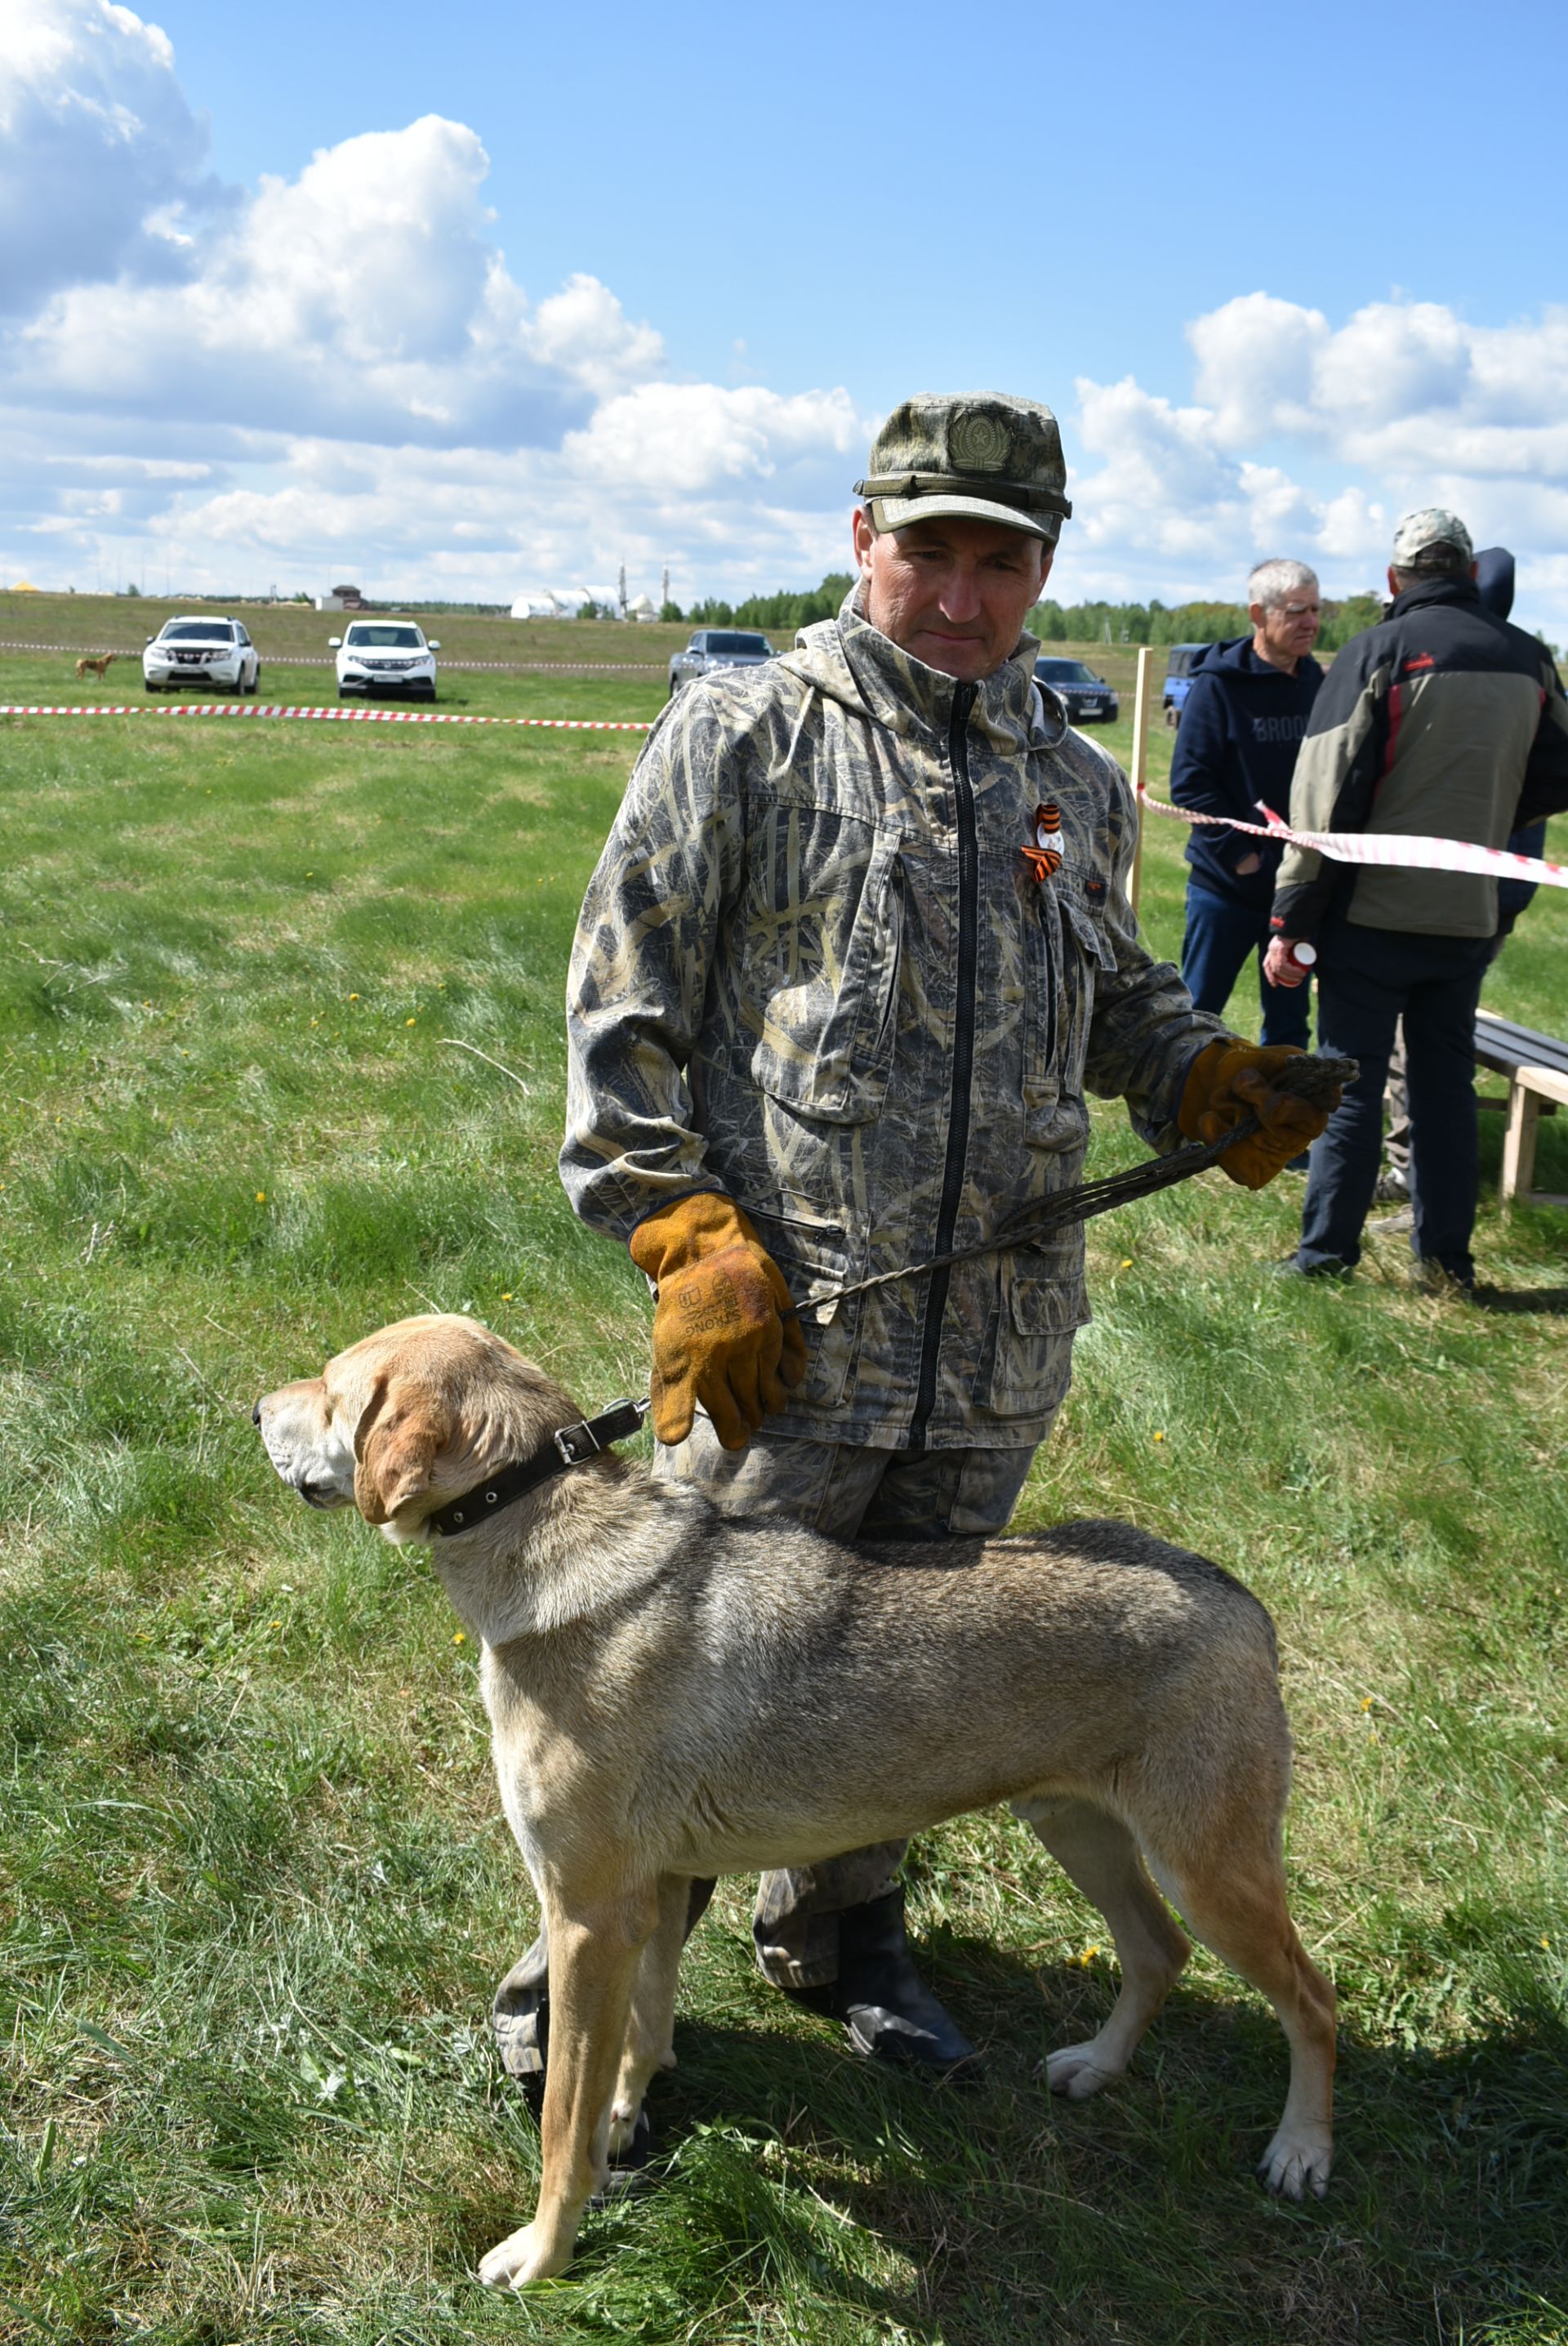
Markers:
point(644, 288)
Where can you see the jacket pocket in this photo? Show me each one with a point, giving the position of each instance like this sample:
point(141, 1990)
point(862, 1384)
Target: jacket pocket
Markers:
point(1067, 948)
point(1026, 1364)
point(825, 924)
point(814, 1259)
point(1085, 952)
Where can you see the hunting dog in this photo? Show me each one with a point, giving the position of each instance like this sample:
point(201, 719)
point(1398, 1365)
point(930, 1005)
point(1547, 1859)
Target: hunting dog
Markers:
point(675, 1696)
point(88, 666)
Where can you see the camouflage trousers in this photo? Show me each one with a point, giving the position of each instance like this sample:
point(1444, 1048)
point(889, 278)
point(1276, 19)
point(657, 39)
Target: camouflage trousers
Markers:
point(846, 1493)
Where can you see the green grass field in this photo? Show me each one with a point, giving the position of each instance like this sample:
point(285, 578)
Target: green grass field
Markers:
point(255, 1888)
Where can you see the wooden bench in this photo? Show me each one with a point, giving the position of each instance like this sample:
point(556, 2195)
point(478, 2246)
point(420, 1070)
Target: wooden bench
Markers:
point(1537, 1071)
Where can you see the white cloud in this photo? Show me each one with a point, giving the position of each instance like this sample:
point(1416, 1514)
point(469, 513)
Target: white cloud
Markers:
point(340, 369)
point(102, 163)
point(1312, 439)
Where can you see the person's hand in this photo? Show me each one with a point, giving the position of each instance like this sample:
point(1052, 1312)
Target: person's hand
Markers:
point(723, 1333)
point(1228, 1080)
point(1278, 967)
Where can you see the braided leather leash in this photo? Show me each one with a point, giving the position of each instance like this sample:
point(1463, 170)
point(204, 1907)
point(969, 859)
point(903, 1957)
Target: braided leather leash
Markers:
point(1314, 1078)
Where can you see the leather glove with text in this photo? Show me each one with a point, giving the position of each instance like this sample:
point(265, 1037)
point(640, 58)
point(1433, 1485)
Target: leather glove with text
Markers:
point(724, 1331)
point(1228, 1080)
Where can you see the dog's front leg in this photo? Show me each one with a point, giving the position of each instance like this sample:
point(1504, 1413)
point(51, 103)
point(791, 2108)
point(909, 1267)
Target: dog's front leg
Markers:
point(594, 1956)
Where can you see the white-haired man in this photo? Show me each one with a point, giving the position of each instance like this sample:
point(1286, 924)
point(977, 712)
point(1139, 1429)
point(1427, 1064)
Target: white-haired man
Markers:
point(1243, 721)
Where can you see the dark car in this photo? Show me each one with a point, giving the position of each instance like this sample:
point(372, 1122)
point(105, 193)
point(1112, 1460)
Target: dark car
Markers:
point(1083, 694)
point(1178, 681)
point(715, 648)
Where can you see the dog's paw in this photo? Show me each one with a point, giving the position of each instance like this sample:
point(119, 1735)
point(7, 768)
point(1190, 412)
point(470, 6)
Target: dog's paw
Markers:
point(1295, 2164)
point(1077, 2071)
point(519, 2259)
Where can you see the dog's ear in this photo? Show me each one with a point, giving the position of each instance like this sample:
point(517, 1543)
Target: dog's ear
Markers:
point(402, 1430)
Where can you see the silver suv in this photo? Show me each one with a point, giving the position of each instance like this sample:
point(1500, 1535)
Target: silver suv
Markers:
point(715, 648)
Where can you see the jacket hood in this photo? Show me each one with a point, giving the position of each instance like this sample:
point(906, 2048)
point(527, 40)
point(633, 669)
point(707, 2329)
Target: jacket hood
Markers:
point(1494, 579)
point(848, 660)
point(1236, 654)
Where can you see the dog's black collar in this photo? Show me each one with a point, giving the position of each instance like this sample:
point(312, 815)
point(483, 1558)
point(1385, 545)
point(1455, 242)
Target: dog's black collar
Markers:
point(573, 1446)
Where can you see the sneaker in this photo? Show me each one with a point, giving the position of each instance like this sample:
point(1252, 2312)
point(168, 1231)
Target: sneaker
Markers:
point(1390, 1224)
point(1302, 1164)
point(1393, 1188)
point(1294, 1268)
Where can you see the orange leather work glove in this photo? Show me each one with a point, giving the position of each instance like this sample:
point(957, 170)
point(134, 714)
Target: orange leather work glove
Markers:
point(1229, 1080)
point(724, 1333)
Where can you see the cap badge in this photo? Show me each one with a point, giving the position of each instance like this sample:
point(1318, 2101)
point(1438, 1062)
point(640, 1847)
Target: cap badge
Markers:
point(981, 444)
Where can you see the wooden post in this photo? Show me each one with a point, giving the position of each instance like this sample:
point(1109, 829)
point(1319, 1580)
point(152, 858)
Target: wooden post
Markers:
point(1143, 698)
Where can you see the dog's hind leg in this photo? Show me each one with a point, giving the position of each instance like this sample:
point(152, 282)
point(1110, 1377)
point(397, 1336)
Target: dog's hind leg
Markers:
point(650, 2026)
point(593, 1957)
point(1099, 1854)
point(1232, 1897)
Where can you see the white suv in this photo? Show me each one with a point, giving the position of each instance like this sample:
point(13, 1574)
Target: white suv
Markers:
point(385, 656)
point(200, 652)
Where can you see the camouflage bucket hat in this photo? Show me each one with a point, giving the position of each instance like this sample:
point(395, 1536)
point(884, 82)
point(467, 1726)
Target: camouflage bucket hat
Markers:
point(979, 455)
point(1424, 532)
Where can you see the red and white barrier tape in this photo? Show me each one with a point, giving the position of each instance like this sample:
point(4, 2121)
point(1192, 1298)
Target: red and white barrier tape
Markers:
point(1342, 846)
point(1412, 852)
point(327, 716)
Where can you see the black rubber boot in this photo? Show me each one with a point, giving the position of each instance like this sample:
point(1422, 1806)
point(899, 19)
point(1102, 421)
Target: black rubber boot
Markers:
point(882, 2001)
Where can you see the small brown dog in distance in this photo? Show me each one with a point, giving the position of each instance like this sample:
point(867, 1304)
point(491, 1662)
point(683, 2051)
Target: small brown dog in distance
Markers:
point(675, 1696)
point(98, 668)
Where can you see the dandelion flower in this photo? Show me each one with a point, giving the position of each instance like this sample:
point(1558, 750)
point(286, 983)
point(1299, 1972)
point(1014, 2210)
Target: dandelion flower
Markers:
point(1366, 1702)
point(458, 1639)
point(1127, 1262)
point(505, 1299)
point(354, 997)
point(260, 1196)
point(408, 1022)
point(1159, 1437)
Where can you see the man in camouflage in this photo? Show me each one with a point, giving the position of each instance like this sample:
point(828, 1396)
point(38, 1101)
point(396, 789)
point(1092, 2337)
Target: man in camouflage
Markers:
point(828, 1018)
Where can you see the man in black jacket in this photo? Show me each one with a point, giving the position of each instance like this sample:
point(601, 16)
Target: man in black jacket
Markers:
point(1494, 581)
point(1245, 716)
point(1443, 721)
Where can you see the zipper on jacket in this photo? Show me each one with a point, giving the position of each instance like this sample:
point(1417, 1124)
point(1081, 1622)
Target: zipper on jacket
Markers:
point(962, 1059)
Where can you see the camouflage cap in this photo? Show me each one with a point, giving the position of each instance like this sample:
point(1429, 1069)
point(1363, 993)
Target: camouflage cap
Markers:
point(1424, 532)
point(979, 454)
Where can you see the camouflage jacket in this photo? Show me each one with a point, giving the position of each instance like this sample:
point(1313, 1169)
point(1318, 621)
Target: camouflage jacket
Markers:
point(813, 970)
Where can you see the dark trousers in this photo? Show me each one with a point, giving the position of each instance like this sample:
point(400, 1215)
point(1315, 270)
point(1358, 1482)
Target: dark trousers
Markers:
point(1368, 979)
point(1219, 936)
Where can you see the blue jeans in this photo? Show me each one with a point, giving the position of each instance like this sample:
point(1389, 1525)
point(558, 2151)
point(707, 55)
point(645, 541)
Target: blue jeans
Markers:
point(1366, 980)
point(1220, 934)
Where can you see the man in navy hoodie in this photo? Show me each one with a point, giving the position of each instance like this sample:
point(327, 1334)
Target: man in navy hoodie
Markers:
point(1245, 716)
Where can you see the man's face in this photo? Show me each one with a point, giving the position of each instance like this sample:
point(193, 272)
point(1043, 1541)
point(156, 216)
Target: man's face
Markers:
point(954, 593)
point(1289, 629)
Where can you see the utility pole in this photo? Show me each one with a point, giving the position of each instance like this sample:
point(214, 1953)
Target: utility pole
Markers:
point(623, 590)
point(664, 588)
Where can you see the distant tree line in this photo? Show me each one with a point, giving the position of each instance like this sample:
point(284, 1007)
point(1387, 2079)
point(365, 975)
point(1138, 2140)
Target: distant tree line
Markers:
point(782, 612)
point(1185, 622)
point(1053, 623)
